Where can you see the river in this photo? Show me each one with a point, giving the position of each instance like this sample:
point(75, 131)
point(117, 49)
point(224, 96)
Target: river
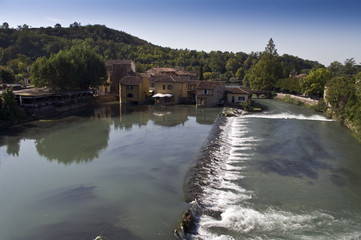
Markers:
point(110, 171)
point(119, 172)
point(286, 173)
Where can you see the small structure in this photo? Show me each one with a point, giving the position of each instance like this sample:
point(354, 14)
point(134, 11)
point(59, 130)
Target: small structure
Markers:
point(116, 70)
point(192, 91)
point(210, 93)
point(44, 103)
point(237, 95)
point(134, 89)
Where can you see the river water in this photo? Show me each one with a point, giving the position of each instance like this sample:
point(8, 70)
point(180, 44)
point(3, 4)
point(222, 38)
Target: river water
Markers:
point(286, 173)
point(106, 171)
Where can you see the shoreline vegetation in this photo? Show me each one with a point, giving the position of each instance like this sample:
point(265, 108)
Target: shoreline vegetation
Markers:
point(35, 56)
point(321, 106)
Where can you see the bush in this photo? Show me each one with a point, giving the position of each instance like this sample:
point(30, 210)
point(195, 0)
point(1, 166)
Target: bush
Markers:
point(321, 106)
point(247, 105)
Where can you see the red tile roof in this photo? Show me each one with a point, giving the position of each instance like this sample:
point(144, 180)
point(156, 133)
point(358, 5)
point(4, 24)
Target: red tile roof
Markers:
point(166, 78)
point(131, 80)
point(237, 90)
point(208, 84)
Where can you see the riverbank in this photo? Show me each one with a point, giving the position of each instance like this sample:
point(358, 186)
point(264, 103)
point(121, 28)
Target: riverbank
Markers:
point(320, 106)
point(297, 100)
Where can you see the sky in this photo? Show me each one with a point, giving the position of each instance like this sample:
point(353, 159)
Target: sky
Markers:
point(318, 30)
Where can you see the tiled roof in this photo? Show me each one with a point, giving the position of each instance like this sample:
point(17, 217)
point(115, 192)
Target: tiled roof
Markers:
point(208, 84)
point(131, 80)
point(237, 90)
point(166, 78)
point(179, 72)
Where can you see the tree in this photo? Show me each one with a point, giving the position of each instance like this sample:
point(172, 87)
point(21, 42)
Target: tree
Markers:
point(314, 83)
point(349, 67)
point(5, 25)
point(7, 75)
point(201, 77)
point(232, 65)
point(8, 99)
point(240, 73)
point(74, 69)
point(271, 48)
point(339, 89)
point(264, 75)
point(336, 68)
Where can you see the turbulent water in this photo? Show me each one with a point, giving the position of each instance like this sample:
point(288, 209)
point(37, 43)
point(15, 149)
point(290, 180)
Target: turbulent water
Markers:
point(286, 173)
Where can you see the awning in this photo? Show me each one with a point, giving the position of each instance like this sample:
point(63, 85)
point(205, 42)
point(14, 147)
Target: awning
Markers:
point(161, 95)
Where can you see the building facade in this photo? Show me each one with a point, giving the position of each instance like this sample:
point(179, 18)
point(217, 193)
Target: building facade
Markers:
point(210, 93)
point(134, 89)
point(237, 95)
point(116, 70)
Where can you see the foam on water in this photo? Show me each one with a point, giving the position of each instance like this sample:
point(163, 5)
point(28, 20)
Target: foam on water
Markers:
point(289, 116)
point(226, 210)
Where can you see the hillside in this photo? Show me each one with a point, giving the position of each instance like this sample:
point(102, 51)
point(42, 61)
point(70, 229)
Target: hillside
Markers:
point(20, 47)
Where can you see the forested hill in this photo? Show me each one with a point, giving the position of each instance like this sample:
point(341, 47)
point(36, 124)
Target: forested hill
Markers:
point(20, 47)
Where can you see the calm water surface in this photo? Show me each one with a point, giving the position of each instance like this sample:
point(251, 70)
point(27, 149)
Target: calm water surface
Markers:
point(106, 171)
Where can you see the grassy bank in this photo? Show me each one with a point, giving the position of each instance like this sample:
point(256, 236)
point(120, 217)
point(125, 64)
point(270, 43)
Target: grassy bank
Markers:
point(321, 106)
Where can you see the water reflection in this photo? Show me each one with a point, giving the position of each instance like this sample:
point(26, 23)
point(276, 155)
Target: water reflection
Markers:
point(78, 143)
point(81, 137)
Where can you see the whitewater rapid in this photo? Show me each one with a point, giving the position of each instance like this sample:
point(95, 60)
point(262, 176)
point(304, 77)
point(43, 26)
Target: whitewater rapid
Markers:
point(224, 203)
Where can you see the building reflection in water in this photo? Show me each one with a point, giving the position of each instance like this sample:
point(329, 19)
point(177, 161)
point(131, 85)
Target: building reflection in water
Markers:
point(81, 136)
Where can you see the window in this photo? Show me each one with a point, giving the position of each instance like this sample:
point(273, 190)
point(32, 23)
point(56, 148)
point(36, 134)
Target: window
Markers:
point(205, 91)
point(241, 99)
point(163, 87)
point(130, 87)
point(130, 95)
point(170, 87)
point(152, 85)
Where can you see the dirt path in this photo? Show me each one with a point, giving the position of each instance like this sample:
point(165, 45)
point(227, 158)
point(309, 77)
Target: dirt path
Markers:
point(305, 100)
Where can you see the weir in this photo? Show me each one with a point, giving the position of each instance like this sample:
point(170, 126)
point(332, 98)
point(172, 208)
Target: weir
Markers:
point(270, 176)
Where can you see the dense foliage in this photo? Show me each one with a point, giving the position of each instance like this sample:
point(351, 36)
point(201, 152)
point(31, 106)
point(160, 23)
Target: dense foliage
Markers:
point(20, 47)
point(75, 69)
point(264, 74)
point(343, 94)
point(10, 112)
point(7, 75)
point(314, 83)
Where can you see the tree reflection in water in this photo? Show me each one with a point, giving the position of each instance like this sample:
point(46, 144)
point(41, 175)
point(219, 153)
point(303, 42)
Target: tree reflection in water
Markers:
point(83, 135)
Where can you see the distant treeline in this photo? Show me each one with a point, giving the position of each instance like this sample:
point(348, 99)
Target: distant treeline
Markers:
point(20, 47)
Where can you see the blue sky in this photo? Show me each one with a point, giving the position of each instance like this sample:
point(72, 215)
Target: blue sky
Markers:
point(321, 30)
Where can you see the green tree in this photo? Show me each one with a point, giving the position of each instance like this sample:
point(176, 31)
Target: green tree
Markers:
point(201, 77)
point(314, 83)
point(5, 25)
point(349, 67)
point(8, 99)
point(336, 68)
point(264, 75)
point(7, 75)
point(74, 69)
point(240, 73)
point(339, 89)
point(232, 65)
